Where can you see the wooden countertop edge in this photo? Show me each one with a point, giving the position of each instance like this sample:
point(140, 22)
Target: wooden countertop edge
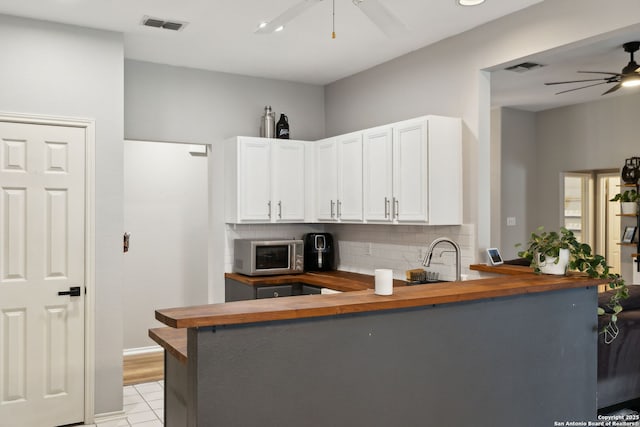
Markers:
point(337, 280)
point(502, 269)
point(307, 306)
point(172, 340)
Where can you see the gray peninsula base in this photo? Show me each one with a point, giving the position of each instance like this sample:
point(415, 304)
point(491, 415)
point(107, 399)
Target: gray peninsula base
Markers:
point(526, 360)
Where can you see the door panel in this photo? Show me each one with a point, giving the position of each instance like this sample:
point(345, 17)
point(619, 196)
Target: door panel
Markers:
point(378, 178)
point(255, 180)
point(42, 199)
point(349, 206)
point(410, 171)
point(326, 179)
point(288, 181)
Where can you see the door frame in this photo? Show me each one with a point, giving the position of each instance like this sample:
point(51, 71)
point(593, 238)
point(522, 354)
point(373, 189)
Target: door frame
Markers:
point(89, 241)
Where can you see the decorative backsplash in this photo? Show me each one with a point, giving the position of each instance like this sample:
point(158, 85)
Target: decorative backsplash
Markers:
point(364, 247)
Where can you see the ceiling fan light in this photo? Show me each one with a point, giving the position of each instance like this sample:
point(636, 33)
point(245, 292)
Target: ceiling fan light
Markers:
point(631, 81)
point(470, 2)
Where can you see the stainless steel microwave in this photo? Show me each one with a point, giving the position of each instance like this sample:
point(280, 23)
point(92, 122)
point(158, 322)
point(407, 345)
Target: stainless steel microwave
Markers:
point(267, 257)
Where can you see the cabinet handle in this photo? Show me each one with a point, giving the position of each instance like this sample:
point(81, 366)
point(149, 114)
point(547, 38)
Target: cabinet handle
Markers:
point(269, 208)
point(332, 203)
point(280, 209)
point(339, 210)
point(396, 203)
point(276, 294)
point(386, 207)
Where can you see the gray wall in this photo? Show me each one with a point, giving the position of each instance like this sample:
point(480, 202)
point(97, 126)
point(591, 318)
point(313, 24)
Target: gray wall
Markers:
point(518, 179)
point(595, 135)
point(60, 70)
point(446, 78)
point(167, 103)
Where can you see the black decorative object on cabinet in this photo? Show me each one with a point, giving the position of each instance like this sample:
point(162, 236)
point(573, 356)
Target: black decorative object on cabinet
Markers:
point(282, 127)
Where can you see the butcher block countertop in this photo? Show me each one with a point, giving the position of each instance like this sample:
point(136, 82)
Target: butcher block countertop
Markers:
point(173, 340)
point(358, 301)
point(337, 280)
point(502, 269)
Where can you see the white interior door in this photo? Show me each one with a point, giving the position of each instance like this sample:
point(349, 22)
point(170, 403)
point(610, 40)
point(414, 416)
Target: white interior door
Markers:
point(42, 238)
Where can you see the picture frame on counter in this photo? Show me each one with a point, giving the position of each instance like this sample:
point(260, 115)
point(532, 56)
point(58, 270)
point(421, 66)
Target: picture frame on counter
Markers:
point(629, 234)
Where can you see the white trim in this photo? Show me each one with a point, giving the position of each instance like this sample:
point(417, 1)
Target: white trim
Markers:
point(109, 416)
point(89, 303)
point(141, 350)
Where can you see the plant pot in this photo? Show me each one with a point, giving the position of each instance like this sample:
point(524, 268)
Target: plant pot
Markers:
point(549, 266)
point(628, 208)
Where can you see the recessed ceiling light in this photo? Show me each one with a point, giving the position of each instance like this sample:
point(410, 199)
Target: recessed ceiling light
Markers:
point(262, 24)
point(280, 28)
point(470, 2)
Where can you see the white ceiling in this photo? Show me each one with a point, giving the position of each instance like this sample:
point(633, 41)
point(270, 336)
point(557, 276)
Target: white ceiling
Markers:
point(219, 35)
point(527, 91)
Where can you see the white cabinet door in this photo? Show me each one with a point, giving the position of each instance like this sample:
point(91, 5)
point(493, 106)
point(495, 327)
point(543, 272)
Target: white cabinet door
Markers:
point(349, 205)
point(254, 180)
point(288, 181)
point(410, 173)
point(378, 174)
point(326, 179)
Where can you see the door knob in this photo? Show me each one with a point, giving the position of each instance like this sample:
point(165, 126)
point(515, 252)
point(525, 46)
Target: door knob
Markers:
point(73, 291)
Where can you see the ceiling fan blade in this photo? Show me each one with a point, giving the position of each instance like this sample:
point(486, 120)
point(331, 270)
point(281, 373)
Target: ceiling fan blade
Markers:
point(581, 87)
point(613, 89)
point(286, 16)
point(382, 17)
point(600, 72)
point(577, 81)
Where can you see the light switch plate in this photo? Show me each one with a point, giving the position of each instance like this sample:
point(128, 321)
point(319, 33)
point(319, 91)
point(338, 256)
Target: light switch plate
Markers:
point(511, 221)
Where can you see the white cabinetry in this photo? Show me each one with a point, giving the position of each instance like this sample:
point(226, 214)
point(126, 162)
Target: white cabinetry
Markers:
point(288, 180)
point(339, 178)
point(413, 172)
point(264, 180)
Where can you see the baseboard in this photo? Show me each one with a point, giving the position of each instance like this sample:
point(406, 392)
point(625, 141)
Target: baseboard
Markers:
point(109, 416)
point(141, 350)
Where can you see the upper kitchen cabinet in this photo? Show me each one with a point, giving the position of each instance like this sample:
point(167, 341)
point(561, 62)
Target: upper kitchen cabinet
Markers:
point(339, 178)
point(264, 180)
point(413, 172)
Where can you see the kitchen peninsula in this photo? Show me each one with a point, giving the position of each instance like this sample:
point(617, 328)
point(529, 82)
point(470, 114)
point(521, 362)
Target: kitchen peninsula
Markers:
point(503, 351)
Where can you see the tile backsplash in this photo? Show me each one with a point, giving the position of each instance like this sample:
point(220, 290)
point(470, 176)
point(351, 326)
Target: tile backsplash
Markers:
point(364, 247)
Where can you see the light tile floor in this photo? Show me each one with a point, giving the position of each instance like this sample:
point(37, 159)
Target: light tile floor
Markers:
point(143, 406)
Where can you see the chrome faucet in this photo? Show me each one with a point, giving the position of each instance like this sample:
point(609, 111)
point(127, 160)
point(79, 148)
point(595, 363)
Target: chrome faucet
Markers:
point(427, 256)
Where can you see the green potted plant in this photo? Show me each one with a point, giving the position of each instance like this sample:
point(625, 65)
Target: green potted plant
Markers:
point(548, 248)
point(628, 201)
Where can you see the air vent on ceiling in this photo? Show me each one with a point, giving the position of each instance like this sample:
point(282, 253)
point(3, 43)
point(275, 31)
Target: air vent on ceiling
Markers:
point(160, 23)
point(524, 67)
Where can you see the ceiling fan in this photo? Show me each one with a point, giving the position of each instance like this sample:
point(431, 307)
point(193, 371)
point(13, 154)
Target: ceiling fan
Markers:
point(630, 75)
point(382, 17)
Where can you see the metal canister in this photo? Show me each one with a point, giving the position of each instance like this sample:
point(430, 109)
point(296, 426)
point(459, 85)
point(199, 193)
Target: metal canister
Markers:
point(268, 123)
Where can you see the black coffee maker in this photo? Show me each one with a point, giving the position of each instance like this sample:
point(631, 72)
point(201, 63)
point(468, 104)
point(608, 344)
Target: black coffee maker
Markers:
point(318, 252)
